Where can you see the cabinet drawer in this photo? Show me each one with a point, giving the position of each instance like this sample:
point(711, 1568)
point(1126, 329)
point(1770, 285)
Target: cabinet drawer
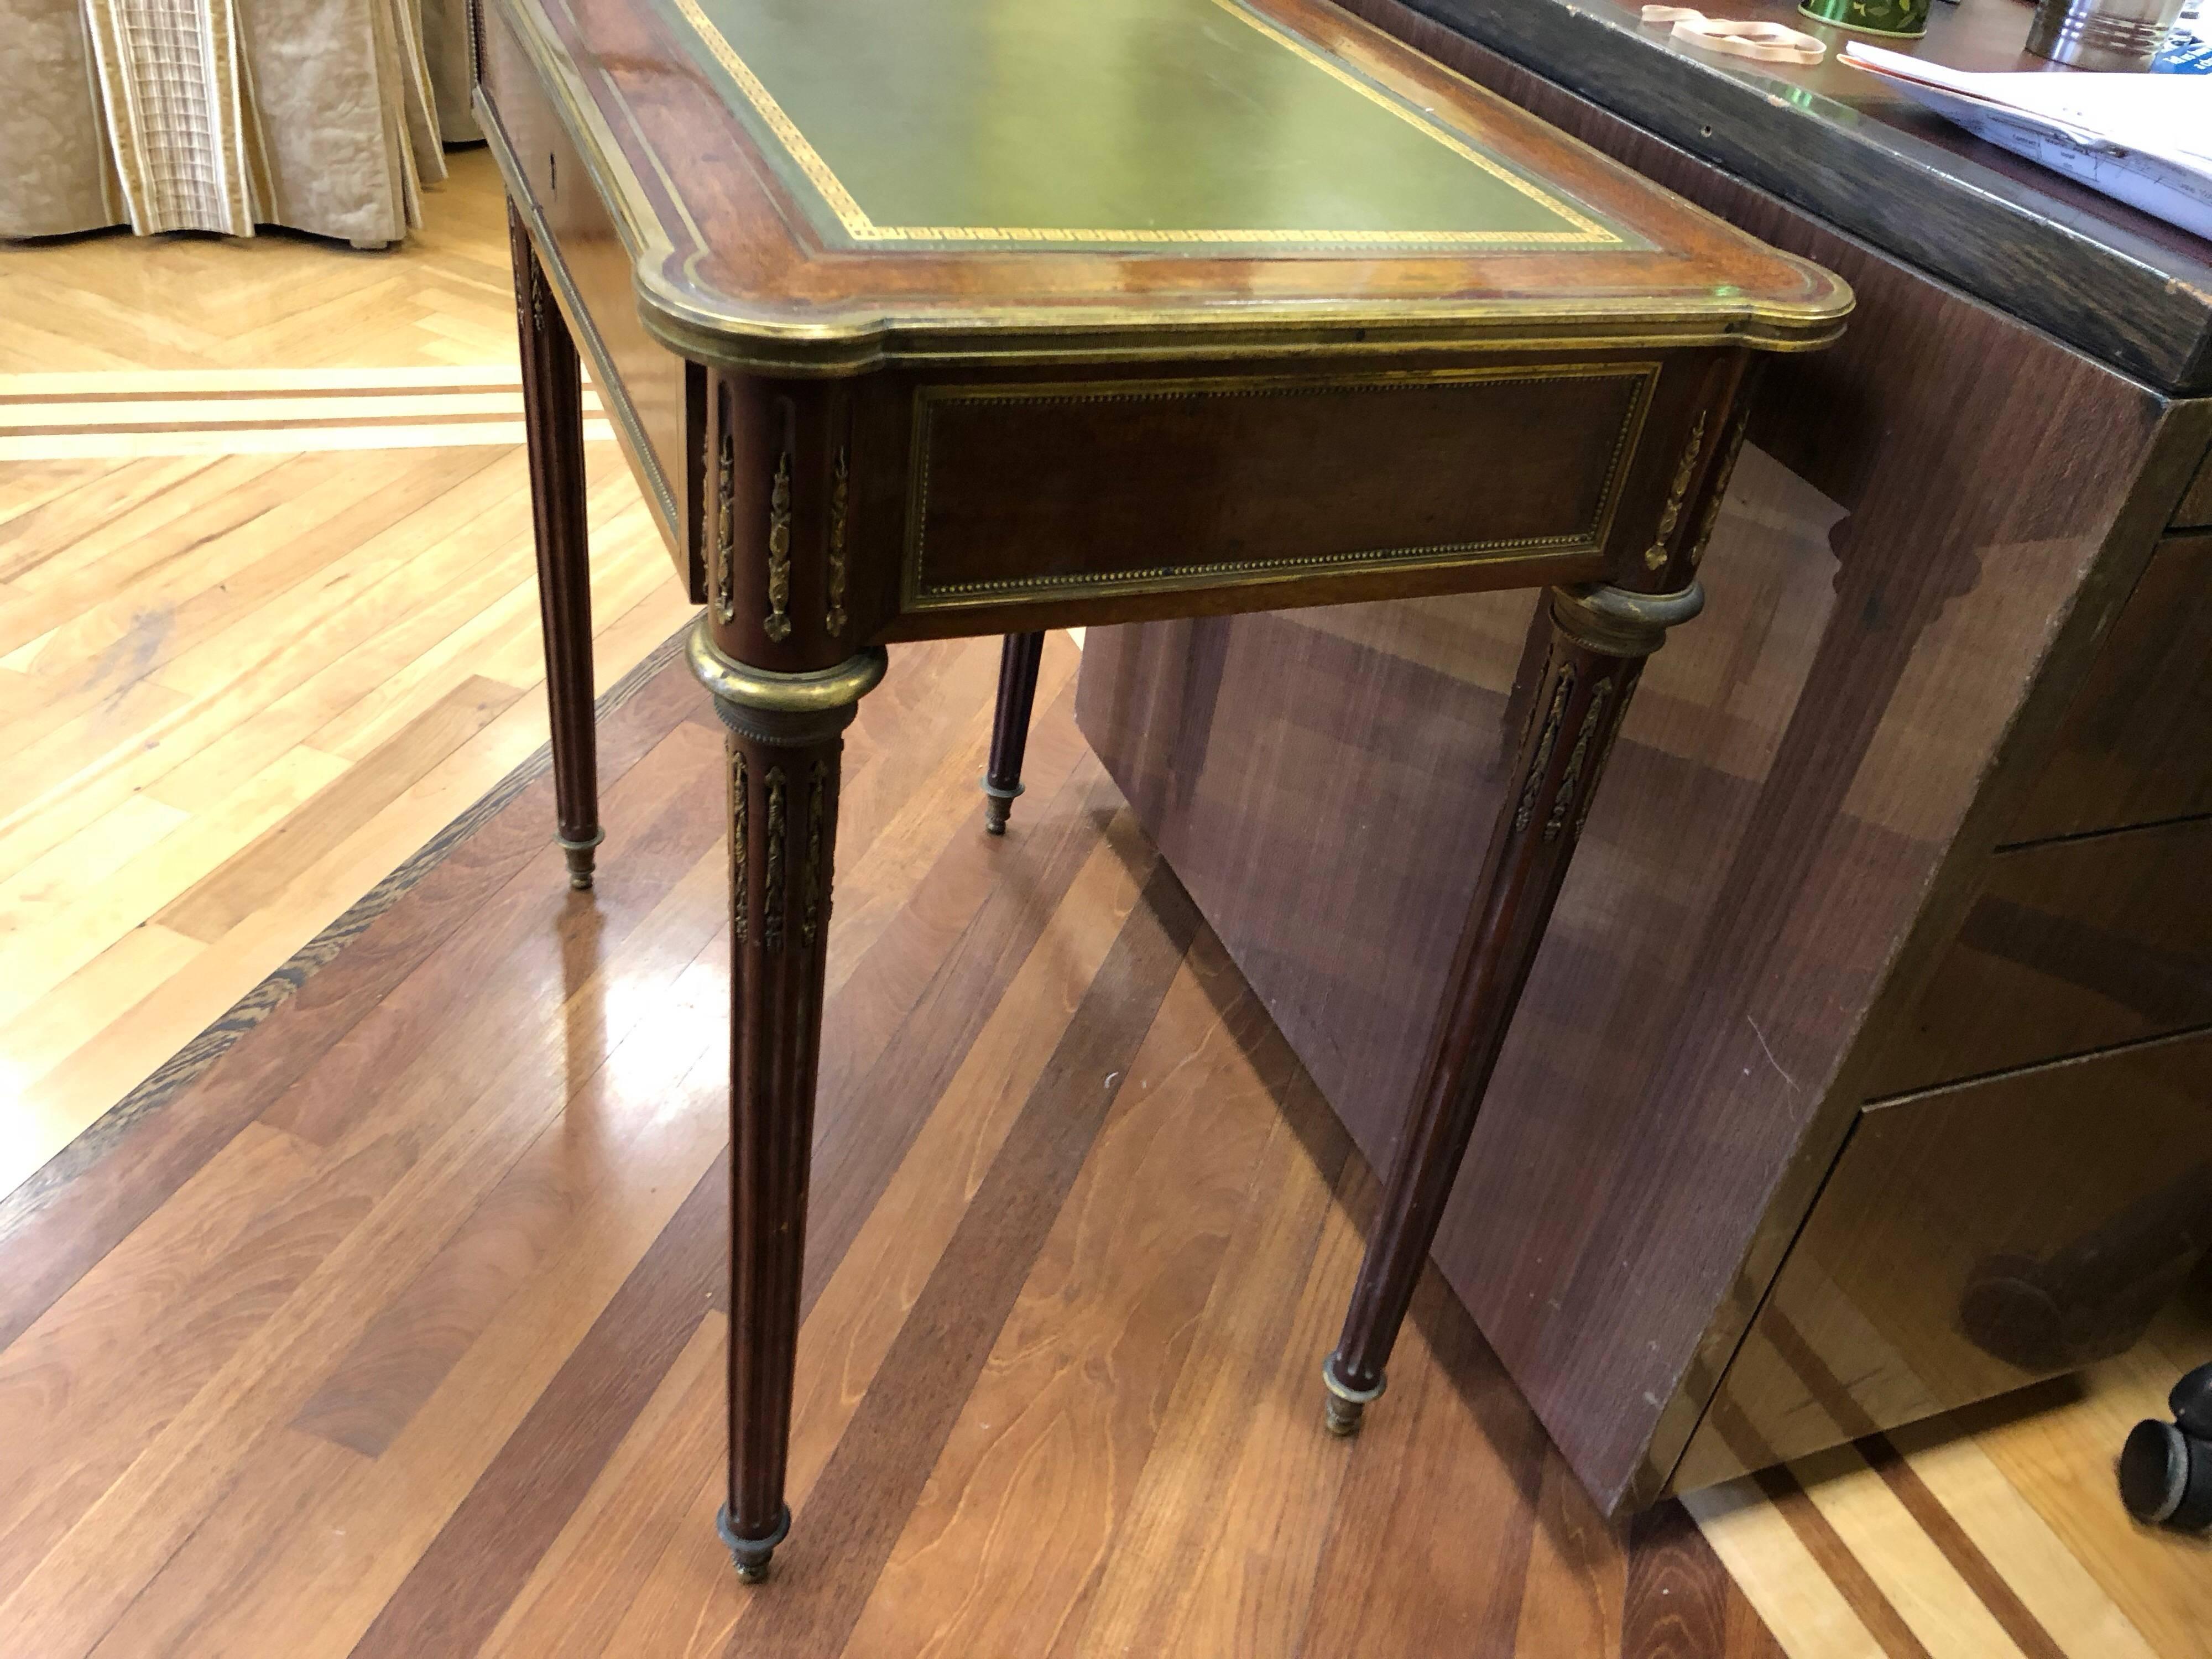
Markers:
point(2136, 745)
point(2072, 945)
point(1970, 1242)
point(2197, 500)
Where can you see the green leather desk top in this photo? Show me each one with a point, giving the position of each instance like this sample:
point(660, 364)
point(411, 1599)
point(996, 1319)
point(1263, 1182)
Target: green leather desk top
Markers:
point(1166, 124)
point(822, 186)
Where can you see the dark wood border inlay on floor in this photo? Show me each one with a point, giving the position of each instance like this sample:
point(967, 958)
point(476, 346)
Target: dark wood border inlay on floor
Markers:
point(460, 944)
point(129, 1160)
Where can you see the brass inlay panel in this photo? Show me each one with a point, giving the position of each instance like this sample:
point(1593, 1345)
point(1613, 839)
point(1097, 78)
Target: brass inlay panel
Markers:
point(1562, 688)
point(1731, 447)
point(918, 592)
point(1655, 556)
point(1571, 781)
point(772, 893)
point(840, 492)
point(778, 625)
point(740, 815)
point(810, 915)
point(725, 522)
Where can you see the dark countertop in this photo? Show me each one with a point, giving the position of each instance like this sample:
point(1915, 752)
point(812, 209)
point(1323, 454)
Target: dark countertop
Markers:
point(2128, 289)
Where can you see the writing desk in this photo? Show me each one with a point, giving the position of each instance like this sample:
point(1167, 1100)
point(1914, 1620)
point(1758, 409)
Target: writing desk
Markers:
point(989, 316)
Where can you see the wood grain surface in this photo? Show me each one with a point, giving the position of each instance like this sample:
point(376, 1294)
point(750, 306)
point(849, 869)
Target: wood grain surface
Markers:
point(267, 615)
point(414, 1347)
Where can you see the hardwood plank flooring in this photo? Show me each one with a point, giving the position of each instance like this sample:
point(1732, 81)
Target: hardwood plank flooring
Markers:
point(398, 1331)
point(413, 1345)
point(267, 615)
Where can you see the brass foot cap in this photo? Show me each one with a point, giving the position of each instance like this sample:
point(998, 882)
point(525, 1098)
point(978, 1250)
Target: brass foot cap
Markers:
point(751, 1556)
point(579, 853)
point(1346, 1405)
point(998, 802)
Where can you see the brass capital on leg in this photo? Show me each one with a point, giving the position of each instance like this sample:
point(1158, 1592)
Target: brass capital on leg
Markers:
point(785, 710)
point(1616, 623)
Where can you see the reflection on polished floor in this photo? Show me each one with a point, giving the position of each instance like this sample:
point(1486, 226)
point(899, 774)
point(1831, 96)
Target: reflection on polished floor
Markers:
point(392, 1332)
point(267, 614)
point(427, 1281)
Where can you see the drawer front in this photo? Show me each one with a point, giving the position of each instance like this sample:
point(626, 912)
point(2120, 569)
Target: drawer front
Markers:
point(2136, 745)
point(1969, 1242)
point(2073, 945)
point(1187, 483)
point(661, 422)
point(2196, 500)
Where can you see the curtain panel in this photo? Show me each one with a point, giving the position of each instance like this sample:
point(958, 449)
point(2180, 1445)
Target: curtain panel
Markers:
point(221, 115)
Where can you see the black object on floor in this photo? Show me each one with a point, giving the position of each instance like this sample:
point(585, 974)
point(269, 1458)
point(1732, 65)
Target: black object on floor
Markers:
point(2166, 1469)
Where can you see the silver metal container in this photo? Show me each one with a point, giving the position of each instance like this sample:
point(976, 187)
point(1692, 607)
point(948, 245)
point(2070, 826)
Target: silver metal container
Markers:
point(2101, 35)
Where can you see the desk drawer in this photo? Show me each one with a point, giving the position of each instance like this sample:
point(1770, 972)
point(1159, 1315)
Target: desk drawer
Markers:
point(2136, 745)
point(2073, 945)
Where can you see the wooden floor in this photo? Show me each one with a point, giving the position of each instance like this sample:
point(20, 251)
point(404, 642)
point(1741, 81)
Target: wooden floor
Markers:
point(266, 614)
point(396, 1331)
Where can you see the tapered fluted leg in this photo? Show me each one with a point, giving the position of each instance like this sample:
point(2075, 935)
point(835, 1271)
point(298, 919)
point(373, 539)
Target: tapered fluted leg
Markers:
point(553, 421)
point(1600, 638)
point(1010, 726)
point(785, 736)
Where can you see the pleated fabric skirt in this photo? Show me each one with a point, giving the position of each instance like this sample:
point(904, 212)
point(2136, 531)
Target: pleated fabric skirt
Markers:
point(221, 115)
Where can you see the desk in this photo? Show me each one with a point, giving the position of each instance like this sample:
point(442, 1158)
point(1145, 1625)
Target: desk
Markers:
point(997, 315)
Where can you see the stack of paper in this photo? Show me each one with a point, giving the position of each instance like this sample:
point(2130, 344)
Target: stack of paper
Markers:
point(2143, 139)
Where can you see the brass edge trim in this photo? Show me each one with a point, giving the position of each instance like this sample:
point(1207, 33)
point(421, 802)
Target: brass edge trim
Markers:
point(745, 341)
point(916, 595)
point(613, 395)
point(822, 691)
point(722, 332)
point(1615, 623)
point(857, 224)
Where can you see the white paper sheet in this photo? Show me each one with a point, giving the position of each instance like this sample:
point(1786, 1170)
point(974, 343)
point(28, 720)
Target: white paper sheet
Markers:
point(2143, 139)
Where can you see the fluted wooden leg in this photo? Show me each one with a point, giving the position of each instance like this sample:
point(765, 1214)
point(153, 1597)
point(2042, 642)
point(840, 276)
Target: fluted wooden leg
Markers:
point(553, 421)
point(1018, 658)
point(1600, 638)
point(785, 738)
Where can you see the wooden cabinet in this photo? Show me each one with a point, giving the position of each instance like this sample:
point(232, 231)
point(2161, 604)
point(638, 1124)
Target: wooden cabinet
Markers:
point(2133, 748)
point(2196, 505)
point(2071, 946)
point(1971, 1241)
point(1915, 814)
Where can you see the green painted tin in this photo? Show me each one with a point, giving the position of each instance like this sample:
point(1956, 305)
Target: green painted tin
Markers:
point(1905, 20)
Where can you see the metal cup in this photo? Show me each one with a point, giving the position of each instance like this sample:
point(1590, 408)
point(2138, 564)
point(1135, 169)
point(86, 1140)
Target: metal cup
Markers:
point(2101, 35)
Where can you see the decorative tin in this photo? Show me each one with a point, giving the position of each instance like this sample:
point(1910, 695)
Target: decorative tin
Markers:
point(1900, 18)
